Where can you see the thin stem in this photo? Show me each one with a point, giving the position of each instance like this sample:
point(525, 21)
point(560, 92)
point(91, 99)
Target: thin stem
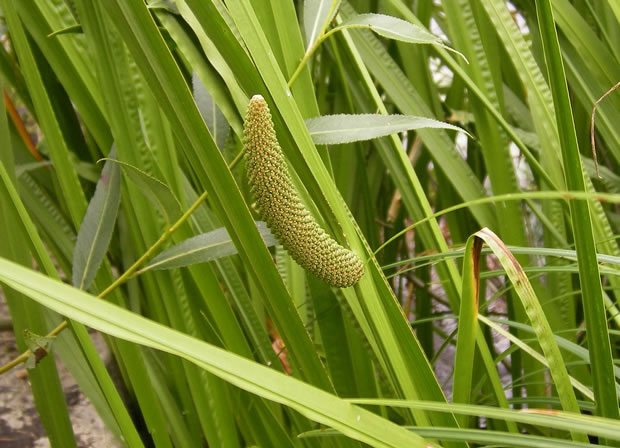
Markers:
point(592, 139)
point(316, 45)
point(130, 271)
point(15, 362)
point(303, 61)
point(330, 15)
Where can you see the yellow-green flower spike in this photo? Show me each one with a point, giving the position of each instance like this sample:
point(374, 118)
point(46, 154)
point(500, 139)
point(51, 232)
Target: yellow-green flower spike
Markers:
point(280, 205)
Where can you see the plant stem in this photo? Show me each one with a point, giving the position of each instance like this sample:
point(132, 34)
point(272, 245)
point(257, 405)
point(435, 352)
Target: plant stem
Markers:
point(316, 45)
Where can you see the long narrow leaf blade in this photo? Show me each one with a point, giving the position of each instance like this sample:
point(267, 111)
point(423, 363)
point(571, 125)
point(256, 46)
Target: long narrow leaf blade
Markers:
point(392, 28)
point(202, 248)
point(395, 28)
point(97, 227)
point(596, 426)
point(468, 325)
point(342, 128)
point(258, 379)
point(590, 281)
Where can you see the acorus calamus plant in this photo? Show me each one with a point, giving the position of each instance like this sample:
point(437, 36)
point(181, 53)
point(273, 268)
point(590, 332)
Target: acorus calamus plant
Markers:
point(394, 142)
point(282, 209)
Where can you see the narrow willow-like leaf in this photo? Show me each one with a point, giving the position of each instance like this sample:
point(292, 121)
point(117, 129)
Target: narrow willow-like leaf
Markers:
point(202, 248)
point(316, 16)
point(403, 94)
point(154, 189)
point(98, 225)
point(394, 28)
point(342, 128)
point(314, 403)
point(212, 115)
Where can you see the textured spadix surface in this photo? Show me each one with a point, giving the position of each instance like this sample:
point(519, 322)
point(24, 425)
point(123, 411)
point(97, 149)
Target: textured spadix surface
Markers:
point(282, 209)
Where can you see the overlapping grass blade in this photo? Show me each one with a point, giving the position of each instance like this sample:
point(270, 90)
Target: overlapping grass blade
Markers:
point(372, 291)
point(153, 58)
point(77, 349)
point(316, 404)
point(468, 325)
point(481, 436)
point(596, 321)
point(597, 426)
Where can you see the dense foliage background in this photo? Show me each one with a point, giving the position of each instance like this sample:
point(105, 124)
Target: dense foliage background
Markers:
point(489, 236)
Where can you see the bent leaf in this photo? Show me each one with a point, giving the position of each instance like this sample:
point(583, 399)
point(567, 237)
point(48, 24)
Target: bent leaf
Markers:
point(97, 227)
point(158, 192)
point(335, 129)
point(202, 248)
point(534, 311)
